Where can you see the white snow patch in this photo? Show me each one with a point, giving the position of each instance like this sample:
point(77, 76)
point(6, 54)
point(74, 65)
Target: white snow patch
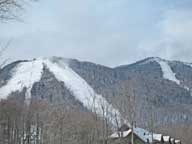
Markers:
point(146, 135)
point(143, 134)
point(167, 72)
point(24, 75)
point(83, 91)
point(166, 69)
point(166, 138)
point(177, 141)
point(157, 137)
point(120, 134)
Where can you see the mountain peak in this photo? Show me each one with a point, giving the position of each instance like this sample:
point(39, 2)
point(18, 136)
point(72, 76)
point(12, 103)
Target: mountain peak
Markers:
point(26, 74)
point(152, 59)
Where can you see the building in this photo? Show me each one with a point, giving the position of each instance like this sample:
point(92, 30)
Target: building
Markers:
point(124, 137)
point(141, 136)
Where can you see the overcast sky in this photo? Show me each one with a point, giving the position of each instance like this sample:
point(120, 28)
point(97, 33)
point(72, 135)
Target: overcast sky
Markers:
point(109, 32)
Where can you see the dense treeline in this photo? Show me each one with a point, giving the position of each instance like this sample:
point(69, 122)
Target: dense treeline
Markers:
point(43, 123)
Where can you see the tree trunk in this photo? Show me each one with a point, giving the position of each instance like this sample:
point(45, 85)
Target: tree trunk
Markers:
point(132, 133)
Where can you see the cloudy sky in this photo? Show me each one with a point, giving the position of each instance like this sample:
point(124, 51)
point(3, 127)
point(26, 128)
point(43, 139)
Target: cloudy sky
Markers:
point(109, 32)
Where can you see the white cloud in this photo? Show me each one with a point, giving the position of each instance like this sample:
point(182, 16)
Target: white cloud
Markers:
point(177, 24)
point(174, 37)
point(108, 32)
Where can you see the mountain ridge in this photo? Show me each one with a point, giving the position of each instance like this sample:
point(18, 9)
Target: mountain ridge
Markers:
point(154, 82)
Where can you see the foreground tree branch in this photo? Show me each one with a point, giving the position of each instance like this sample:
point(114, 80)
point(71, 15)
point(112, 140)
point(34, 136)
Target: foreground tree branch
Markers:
point(10, 9)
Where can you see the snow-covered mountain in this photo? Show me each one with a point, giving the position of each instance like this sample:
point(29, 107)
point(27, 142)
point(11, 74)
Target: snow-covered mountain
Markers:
point(159, 88)
point(25, 74)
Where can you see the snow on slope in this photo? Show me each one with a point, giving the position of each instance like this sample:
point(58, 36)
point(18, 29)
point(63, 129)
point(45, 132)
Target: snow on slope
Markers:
point(25, 75)
point(166, 69)
point(167, 72)
point(146, 135)
point(82, 91)
point(85, 94)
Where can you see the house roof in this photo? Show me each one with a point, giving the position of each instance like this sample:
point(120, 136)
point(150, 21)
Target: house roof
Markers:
point(177, 141)
point(157, 137)
point(166, 138)
point(139, 132)
point(119, 134)
point(144, 135)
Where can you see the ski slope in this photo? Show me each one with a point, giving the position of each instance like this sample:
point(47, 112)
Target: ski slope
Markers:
point(167, 72)
point(83, 91)
point(27, 73)
point(24, 76)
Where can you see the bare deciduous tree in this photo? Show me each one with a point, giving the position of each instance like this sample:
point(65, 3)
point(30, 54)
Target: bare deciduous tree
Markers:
point(9, 9)
point(126, 105)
